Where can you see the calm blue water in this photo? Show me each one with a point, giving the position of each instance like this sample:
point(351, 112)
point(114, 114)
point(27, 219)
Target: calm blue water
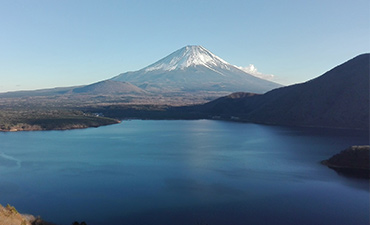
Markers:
point(182, 172)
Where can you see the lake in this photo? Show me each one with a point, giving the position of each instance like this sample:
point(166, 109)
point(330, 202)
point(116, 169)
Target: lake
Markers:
point(182, 172)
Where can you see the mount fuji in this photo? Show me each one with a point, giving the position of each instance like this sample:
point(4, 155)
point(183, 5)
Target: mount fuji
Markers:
point(189, 75)
point(194, 69)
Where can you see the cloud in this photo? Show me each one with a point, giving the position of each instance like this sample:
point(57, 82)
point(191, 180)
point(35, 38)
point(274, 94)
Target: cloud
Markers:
point(251, 69)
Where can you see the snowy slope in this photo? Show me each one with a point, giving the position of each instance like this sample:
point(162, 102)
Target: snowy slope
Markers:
point(188, 56)
point(194, 68)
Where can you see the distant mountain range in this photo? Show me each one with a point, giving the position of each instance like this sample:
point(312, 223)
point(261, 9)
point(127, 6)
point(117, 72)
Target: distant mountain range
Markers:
point(106, 87)
point(338, 98)
point(189, 70)
point(194, 69)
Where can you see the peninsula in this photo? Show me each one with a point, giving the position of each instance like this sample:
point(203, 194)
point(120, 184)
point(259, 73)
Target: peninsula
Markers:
point(353, 161)
point(36, 120)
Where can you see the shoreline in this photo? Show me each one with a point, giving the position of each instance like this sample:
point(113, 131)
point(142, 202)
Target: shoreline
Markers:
point(68, 127)
point(44, 120)
point(75, 126)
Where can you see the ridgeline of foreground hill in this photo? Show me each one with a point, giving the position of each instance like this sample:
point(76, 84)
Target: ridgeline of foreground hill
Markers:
point(339, 99)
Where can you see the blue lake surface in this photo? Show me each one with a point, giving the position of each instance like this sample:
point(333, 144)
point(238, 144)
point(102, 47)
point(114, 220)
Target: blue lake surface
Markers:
point(182, 172)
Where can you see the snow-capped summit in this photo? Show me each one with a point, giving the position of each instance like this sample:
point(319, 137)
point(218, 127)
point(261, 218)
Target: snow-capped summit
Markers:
point(192, 69)
point(191, 55)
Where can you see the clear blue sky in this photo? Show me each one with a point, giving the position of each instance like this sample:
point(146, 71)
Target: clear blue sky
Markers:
point(51, 43)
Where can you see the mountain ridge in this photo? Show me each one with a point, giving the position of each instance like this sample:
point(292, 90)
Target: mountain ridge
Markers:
point(338, 98)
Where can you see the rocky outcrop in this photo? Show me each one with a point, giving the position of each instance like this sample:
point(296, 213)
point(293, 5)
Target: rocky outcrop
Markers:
point(351, 161)
point(10, 216)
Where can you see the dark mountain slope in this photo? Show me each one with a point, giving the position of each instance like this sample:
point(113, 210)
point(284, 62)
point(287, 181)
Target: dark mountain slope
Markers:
point(339, 98)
